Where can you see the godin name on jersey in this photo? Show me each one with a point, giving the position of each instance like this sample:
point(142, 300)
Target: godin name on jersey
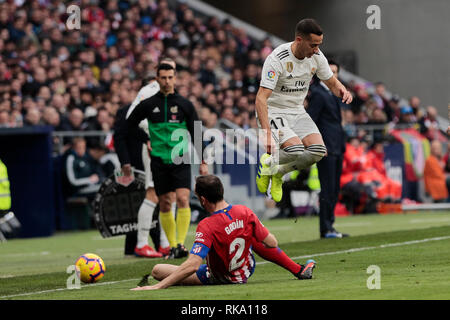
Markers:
point(234, 225)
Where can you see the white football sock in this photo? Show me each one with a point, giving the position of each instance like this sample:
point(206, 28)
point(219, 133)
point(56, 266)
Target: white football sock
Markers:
point(145, 217)
point(314, 153)
point(291, 153)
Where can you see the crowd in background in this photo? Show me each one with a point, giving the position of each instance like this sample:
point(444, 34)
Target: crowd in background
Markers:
point(75, 80)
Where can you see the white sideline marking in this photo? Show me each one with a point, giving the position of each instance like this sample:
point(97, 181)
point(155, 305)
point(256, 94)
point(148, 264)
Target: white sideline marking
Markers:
point(398, 244)
point(64, 289)
point(353, 224)
point(430, 220)
point(387, 245)
point(28, 254)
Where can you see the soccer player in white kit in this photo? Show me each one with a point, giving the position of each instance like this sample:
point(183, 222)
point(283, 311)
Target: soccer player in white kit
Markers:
point(288, 129)
point(145, 213)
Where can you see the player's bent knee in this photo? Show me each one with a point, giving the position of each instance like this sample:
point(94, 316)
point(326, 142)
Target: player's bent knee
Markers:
point(317, 152)
point(156, 272)
point(165, 204)
point(160, 271)
point(183, 202)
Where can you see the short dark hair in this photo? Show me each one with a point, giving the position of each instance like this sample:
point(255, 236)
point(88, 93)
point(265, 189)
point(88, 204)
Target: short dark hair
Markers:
point(166, 59)
point(164, 66)
point(210, 187)
point(332, 62)
point(307, 26)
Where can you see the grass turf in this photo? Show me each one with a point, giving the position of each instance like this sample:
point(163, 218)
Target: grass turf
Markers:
point(411, 250)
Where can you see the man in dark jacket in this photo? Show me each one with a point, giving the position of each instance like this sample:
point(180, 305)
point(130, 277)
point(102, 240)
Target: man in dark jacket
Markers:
point(325, 110)
point(128, 145)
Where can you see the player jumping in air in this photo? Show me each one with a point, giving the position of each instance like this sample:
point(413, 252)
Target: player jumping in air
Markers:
point(285, 79)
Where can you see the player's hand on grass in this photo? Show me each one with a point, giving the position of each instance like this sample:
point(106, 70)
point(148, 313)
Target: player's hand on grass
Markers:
point(154, 287)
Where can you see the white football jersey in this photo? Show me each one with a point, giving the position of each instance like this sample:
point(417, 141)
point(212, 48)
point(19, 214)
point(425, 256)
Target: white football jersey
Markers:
point(146, 92)
point(289, 78)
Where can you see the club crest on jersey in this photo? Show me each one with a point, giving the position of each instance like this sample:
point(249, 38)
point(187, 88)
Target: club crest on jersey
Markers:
point(313, 71)
point(197, 249)
point(174, 109)
point(271, 74)
point(289, 66)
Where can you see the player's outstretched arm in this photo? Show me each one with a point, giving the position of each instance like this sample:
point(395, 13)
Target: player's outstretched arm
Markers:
point(339, 89)
point(186, 269)
point(263, 115)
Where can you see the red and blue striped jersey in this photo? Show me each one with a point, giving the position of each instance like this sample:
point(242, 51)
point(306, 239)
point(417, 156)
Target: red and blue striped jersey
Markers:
point(225, 238)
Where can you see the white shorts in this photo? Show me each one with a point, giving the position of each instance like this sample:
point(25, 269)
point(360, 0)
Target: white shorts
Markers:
point(148, 172)
point(290, 125)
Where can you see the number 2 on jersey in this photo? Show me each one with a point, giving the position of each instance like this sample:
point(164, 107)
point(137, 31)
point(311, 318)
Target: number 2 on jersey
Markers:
point(234, 263)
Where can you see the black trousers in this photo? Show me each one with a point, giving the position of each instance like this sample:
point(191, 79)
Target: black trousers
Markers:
point(330, 169)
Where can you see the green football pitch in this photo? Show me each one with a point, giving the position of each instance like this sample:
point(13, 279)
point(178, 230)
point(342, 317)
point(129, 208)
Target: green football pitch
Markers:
point(409, 252)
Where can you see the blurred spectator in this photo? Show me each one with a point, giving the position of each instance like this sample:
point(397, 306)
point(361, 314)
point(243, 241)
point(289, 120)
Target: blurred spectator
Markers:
point(361, 96)
point(208, 117)
point(414, 103)
point(74, 122)
point(380, 95)
point(392, 109)
point(251, 81)
point(446, 160)
point(207, 74)
point(387, 189)
point(378, 117)
point(361, 117)
point(38, 80)
point(353, 193)
point(4, 118)
point(51, 117)
point(32, 117)
point(364, 180)
point(101, 66)
point(407, 115)
point(83, 173)
point(348, 123)
point(434, 175)
point(102, 121)
point(429, 126)
point(227, 114)
point(107, 160)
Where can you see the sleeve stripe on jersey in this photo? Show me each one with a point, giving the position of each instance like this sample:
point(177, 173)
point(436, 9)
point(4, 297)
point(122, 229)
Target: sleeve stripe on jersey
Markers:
point(283, 54)
point(266, 87)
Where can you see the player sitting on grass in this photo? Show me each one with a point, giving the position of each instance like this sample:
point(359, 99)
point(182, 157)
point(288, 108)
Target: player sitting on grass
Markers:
point(225, 239)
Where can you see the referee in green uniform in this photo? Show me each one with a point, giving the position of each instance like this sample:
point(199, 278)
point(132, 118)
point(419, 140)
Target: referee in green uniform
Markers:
point(167, 112)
